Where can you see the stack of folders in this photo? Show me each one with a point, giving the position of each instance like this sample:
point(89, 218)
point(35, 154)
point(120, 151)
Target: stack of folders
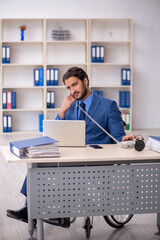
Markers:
point(9, 100)
point(50, 99)
point(124, 99)
point(7, 123)
point(125, 76)
point(42, 147)
point(126, 118)
point(154, 143)
point(52, 77)
point(97, 54)
point(6, 54)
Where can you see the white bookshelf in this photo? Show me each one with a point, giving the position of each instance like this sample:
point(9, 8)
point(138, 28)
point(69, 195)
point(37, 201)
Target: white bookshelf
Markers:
point(116, 37)
point(40, 50)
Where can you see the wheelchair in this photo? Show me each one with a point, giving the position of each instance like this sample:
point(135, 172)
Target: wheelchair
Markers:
point(115, 221)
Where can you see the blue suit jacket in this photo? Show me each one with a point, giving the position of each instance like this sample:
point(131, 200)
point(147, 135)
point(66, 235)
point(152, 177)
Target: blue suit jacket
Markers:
point(106, 113)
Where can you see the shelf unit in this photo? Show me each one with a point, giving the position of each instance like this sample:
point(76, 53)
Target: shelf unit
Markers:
point(116, 37)
point(39, 50)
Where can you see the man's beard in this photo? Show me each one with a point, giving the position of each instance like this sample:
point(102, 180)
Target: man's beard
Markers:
point(84, 93)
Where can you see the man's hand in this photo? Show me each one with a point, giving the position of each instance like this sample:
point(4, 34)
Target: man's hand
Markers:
point(67, 102)
point(128, 137)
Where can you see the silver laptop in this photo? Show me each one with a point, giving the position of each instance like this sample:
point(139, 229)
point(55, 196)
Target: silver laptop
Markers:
point(69, 133)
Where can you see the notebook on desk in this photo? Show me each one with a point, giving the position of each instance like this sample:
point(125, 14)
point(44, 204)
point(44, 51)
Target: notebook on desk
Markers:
point(69, 133)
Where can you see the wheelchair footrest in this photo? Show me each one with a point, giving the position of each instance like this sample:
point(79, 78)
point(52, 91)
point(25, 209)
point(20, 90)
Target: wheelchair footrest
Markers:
point(61, 222)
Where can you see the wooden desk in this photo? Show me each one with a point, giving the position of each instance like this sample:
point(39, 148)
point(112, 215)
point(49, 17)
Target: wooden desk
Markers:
point(110, 153)
point(91, 182)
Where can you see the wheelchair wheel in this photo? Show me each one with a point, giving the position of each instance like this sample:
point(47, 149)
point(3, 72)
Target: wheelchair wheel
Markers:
point(118, 221)
point(87, 227)
point(122, 219)
point(35, 223)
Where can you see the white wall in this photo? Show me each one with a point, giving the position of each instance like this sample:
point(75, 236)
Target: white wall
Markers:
point(146, 42)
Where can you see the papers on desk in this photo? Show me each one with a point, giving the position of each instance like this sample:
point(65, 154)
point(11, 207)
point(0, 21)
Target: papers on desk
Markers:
point(35, 148)
point(154, 143)
point(48, 150)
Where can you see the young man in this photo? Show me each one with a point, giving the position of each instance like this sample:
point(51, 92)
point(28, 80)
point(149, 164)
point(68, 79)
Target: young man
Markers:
point(102, 110)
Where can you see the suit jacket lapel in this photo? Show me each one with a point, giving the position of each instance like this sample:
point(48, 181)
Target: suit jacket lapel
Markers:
point(93, 107)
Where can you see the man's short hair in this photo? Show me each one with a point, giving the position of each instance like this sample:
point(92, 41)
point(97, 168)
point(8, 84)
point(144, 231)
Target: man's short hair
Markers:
point(75, 72)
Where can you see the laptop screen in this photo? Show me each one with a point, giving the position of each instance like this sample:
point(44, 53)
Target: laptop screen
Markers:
point(69, 133)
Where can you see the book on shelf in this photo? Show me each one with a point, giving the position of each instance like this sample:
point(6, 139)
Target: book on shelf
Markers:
point(51, 99)
point(13, 100)
point(4, 100)
point(127, 121)
point(48, 100)
point(9, 127)
point(52, 94)
point(9, 100)
point(102, 54)
point(153, 143)
point(97, 54)
point(127, 99)
point(56, 76)
point(128, 81)
point(48, 77)
point(6, 54)
point(124, 99)
point(52, 76)
point(35, 148)
point(7, 123)
point(126, 118)
point(41, 77)
point(93, 54)
point(38, 77)
point(51, 79)
point(41, 118)
point(125, 76)
point(123, 115)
